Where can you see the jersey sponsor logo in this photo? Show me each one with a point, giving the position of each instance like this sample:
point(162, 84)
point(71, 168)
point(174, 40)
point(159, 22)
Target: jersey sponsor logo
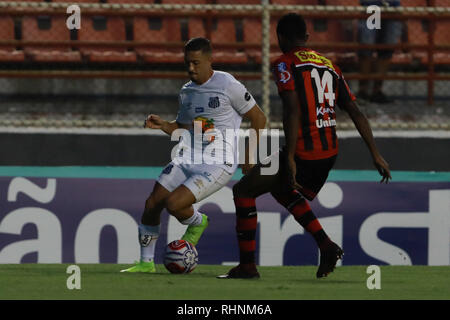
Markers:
point(168, 169)
point(247, 96)
point(325, 123)
point(322, 111)
point(284, 75)
point(199, 109)
point(206, 125)
point(309, 56)
point(214, 102)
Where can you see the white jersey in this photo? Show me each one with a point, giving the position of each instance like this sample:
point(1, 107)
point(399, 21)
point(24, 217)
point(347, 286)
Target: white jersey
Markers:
point(219, 104)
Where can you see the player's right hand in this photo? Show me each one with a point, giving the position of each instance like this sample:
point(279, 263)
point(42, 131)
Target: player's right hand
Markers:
point(383, 168)
point(153, 121)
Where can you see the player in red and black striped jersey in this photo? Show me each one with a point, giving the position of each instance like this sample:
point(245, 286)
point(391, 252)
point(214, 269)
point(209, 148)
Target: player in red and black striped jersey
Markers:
point(310, 87)
point(320, 87)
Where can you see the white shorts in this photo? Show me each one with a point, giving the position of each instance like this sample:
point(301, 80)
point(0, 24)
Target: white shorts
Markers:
point(202, 179)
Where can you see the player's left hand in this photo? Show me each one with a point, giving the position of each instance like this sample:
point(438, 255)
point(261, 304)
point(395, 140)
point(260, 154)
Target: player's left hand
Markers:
point(383, 168)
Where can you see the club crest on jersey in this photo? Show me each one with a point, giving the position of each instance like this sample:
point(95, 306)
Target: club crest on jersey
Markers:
point(282, 67)
point(285, 76)
point(214, 102)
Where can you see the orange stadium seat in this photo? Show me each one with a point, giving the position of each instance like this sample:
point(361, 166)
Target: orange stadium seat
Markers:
point(418, 34)
point(224, 32)
point(8, 52)
point(155, 31)
point(78, 1)
point(442, 3)
point(325, 30)
point(195, 28)
point(184, 1)
point(342, 2)
point(133, 1)
point(442, 37)
point(298, 2)
point(441, 34)
point(98, 29)
point(414, 3)
point(46, 28)
point(252, 34)
point(236, 1)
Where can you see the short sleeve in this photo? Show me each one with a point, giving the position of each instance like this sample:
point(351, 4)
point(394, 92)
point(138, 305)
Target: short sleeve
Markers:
point(182, 116)
point(282, 74)
point(241, 100)
point(345, 94)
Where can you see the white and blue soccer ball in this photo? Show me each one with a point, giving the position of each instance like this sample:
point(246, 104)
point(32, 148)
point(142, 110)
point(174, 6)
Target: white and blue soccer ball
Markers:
point(181, 257)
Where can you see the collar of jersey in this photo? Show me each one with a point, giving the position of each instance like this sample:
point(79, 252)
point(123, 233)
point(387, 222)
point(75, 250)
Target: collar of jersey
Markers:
point(204, 83)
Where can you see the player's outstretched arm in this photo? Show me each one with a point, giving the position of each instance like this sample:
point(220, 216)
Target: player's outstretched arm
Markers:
point(154, 121)
point(363, 127)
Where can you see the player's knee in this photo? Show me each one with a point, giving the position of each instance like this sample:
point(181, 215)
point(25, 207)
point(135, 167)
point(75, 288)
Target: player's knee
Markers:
point(173, 205)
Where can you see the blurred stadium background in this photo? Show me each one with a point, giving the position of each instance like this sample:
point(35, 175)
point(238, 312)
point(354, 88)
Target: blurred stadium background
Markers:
point(126, 60)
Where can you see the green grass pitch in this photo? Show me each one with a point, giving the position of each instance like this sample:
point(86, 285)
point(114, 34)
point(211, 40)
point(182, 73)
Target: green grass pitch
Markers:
point(103, 281)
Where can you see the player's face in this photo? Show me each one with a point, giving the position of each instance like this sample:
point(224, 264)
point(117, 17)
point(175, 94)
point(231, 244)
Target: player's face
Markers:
point(198, 65)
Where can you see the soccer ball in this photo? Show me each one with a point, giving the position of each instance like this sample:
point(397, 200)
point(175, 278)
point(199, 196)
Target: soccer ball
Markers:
point(181, 257)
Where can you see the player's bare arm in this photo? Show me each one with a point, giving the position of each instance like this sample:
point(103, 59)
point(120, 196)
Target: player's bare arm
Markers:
point(291, 115)
point(258, 121)
point(363, 127)
point(154, 121)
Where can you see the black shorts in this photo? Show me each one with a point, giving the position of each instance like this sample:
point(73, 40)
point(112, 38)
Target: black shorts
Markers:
point(311, 174)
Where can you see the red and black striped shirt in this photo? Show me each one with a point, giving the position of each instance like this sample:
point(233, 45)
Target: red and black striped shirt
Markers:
point(320, 86)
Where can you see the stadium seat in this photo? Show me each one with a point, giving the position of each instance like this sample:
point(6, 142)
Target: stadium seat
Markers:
point(235, 2)
point(224, 33)
point(253, 35)
point(442, 3)
point(78, 1)
point(321, 30)
point(46, 28)
point(98, 29)
point(342, 3)
point(132, 1)
point(441, 34)
point(295, 2)
point(8, 53)
point(184, 1)
point(414, 3)
point(156, 31)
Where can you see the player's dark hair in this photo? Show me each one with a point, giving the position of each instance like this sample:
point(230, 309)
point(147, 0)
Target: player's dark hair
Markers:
point(292, 26)
point(198, 44)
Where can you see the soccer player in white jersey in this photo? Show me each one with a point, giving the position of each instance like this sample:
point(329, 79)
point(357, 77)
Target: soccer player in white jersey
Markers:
point(216, 101)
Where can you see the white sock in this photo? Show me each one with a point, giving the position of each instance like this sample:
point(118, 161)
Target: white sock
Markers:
point(194, 220)
point(148, 235)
